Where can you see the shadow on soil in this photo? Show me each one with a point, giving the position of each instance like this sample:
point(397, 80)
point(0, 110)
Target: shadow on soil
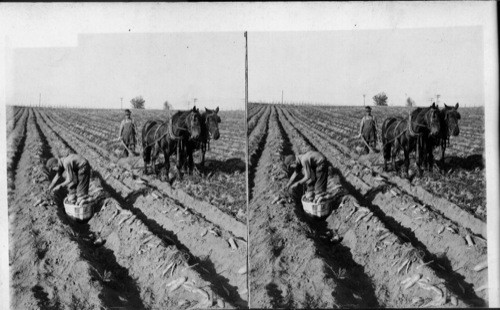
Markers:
point(228, 166)
point(468, 163)
point(103, 260)
point(350, 275)
point(100, 259)
point(203, 266)
point(277, 299)
point(44, 301)
point(356, 289)
point(455, 282)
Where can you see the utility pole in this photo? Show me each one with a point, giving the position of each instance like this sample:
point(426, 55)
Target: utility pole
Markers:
point(364, 99)
point(194, 101)
point(282, 97)
point(246, 72)
point(121, 103)
point(246, 123)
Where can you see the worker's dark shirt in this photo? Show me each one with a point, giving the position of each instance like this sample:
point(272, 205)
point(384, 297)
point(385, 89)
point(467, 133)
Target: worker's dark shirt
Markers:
point(71, 164)
point(309, 161)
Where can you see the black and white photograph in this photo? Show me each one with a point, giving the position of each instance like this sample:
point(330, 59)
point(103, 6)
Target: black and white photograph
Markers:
point(249, 155)
point(366, 168)
point(367, 183)
point(126, 172)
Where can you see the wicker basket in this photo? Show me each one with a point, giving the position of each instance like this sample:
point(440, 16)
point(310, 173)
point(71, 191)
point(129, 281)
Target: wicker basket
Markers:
point(318, 210)
point(75, 212)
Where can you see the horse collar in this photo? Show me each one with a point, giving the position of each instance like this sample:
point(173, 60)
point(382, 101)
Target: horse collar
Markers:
point(412, 133)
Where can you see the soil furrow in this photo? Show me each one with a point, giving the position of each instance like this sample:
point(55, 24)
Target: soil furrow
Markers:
point(15, 147)
point(213, 213)
point(360, 254)
point(58, 276)
point(420, 229)
point(254, 119)
point(448, 209)
point(256, 145)
point(203, 209)
point(167, 230)
point(287, 268)
point(351, 276)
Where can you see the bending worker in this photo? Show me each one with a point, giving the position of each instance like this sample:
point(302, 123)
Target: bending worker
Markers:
point(368, 129)
point(77, 170)
point(314, 168)
point(127, 133)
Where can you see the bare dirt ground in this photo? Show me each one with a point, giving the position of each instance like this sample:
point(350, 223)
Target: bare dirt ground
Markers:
point(401, 246)
point(148, 246)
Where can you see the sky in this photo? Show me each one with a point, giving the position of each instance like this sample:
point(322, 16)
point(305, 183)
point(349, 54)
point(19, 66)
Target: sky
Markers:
point(339, 67)
point(348, 49)
point(103, 68)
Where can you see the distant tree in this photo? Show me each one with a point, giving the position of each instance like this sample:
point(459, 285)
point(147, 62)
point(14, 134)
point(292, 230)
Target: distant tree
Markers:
point(410, 102)
point(380, 99)
point(167, 106)
point(138, 102)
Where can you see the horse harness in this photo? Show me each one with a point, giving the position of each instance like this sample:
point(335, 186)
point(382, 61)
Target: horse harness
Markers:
point(170, 132)
point(409, 129)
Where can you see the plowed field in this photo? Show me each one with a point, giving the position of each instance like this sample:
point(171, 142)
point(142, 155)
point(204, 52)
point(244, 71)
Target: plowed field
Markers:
point(402, 243)
point(148, 246)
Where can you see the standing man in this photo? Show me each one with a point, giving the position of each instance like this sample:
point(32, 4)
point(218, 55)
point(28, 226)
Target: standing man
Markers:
point(368, 129)
point(77, 170)
point(127, 133)
point(314, 168)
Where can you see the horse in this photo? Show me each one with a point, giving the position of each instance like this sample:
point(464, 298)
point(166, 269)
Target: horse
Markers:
point(449, 117)
point(411, 133)
point(169, 136)
point(209, 130)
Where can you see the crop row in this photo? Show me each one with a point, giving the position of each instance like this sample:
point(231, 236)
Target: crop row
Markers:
point(463, 165)
point(104, 124)
point(345, 120)
point(164, 221)
point(49, 267)
point(401, 208)
point(253, 119)
point(382, 206)
point(226, 163)
point(286, 270)
point(15, 144)
point(256, 142)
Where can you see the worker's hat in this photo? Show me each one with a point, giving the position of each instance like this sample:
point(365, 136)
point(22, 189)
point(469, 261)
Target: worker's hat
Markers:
point(127, 111)
point(51, 163)
point(289, 160)
point(368, 108)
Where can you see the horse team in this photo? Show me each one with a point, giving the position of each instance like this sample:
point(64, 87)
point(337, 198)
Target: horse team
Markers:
point(183, 133)
point(187, 131)
point(423, 130)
